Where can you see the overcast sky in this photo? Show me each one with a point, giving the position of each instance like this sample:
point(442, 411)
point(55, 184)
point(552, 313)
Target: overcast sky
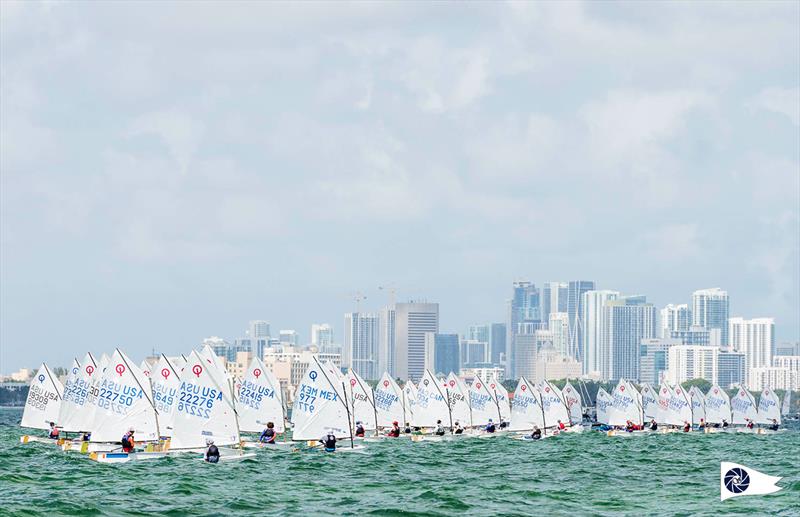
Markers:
point(172, 171)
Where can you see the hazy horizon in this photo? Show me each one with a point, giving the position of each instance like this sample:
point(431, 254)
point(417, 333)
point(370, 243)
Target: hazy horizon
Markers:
point(170, 171)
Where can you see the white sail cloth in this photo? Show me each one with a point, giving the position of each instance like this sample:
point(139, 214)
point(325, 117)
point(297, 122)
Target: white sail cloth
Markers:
point(44, 400)
point(319, 405)
point(717, 405)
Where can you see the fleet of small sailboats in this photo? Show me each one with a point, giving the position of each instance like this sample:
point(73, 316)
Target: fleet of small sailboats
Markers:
point(181, 404)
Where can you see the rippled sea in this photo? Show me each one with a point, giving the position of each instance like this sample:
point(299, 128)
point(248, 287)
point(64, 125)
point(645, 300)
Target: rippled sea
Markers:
point(574, 474)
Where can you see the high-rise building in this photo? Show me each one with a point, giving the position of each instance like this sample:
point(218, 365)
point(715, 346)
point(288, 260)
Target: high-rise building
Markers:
point(479, 333)
point(699, 336)
point(497, 343)
point(360, 348)
point(754, 338)
point(386, 352)
point(289, 337)
point(575, 291)
point(553, 299)
point(523, 307)
point(675, 318)
point(526, 355)
point(653, 359)
point(442, 353)
point(626, 321)
point(731, 369)
point(218, 345)
point(412, 321)
point(474, 352)
point(553, 366)
point(322, 337)
point(791, 362)
point(777, 378)
point(259, 329)
point(710, 309)
point(591, 322)
point(693, 362)
point(558, 324)
point(787, 348)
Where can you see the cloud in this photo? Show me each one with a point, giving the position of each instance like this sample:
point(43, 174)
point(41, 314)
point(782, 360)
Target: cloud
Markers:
point(783, 101)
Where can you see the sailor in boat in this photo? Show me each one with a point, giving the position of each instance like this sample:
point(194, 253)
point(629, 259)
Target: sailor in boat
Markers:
point(268, 436)
point(329, 442)
point(128, 443)
point(629, 427)
point(86, 437)
point(561, 426)
point(212, 452)
point(503, 424)
point(724, 423)
point(53, 431)
point(490, 428)
point(394, 432)
point(686, 426)
point(439, 428)
point(458, 429)
point(407, 429)
point(360, 429)
point(702, 425)
point(536, 434)
point(653, 425)
point(750, 424)
point(774, 426)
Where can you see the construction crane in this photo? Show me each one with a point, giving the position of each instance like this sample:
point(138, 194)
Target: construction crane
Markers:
point(357, 297)
point(392, 292)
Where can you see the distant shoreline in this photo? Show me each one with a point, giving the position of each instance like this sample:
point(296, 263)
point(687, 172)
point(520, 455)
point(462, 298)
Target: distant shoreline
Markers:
point(12, 407)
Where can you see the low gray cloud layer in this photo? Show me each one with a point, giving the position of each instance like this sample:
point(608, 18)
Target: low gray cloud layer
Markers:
point(172, 170)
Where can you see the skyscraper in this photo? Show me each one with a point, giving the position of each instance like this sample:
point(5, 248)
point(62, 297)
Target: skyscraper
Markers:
point(626, 322)
point(710, 308)
point(289, 337)
point(442, 353)
point(523, 307)
point(591, 322)
point(554, 298)
point(322, 338)
point(732, 370)
point(259, 334)
point(675, 318)
point(575, 291)
point(497, 343)
point(478, 333)
point(754, 338)
point(386, 352)
point(687, 362)
point(360, 350)
point(412, 321)
point(558, 324)
point(653, 358)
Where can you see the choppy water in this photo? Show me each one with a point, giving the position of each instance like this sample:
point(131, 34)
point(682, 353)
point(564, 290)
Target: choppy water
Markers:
point(575, 474)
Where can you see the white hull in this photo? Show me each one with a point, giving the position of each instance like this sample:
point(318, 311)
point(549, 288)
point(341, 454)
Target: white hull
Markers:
point(231, 458)
point(37, 439)
point(124, 457)
point(277, 446)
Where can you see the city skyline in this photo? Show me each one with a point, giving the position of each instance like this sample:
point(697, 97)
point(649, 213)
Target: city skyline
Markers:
point(158, 187)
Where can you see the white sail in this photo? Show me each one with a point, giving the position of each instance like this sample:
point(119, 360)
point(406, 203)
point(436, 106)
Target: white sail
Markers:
point(639, 406)
point(717, 405)
point(76, 410)
point(743, 407)
point(220, 374)
point(124, 401)
point(459, 400)
point(574, 404)
point(768, 409)
point(680, 408)
point(319, 406)
point(501, 397)
point(259, 401)
point(388, 401)
point(603, 404)
point(409, 401)
point(360, 397)
point(649, 403)
point(482, 403)
point(335, 371)
point(526, 408)
point(664, 396)
point(44, 400)
point(553, 406)
point(145, 368)
point(787, 403)
point(431, 405)
point(165, 383)
point(625, 405)
point(698, 405)
point(204, 408)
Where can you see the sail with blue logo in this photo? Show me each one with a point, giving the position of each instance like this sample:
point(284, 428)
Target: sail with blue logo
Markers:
point(319, 405)
point(501, 398)
point(44, 400)
point(360, 398)
point(603, 402)
point(124, 401)
point(649, 403)
point(388, 402)
point(454, 388)
point(680, 407)
point(482, 403)
point(717, 405)
point(76, 410)
point(165, 382)
point(743, 407)
point(768, 407)
point(430, 403)
point(259, 400)
point(204, 408)
point(553, 406)
point(526, 407)
point(786, 406)
point(698, 405)
point(625, 405)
